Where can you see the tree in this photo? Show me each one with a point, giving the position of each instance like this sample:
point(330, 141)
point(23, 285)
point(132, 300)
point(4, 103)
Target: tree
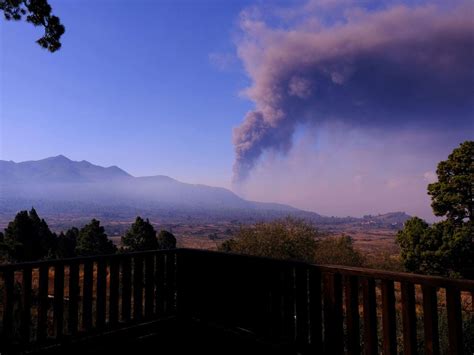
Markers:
point(166, 240)
point(453, 194)
point(287, 238)
point(66, 247)
point(28, 238)
point(141, 236)
point(37, 12)
point(92, 240)
point(337, 251)
point(447, 247)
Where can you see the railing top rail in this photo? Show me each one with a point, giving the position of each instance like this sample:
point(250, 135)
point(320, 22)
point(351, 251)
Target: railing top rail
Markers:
point(434, 281)
point(80, 259)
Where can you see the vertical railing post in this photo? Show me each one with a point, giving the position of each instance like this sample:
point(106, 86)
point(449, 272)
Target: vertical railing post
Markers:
point(26, 305)
point(302, 325)
point(87, 295)
point(333, 326)
point(43, 306)
point(409, 318)
point(73, 297)
point(430, 320)
point(389, 330)
point(370, 317)
point(149, 285)
point(101, 293)
point(58, 314)
point(315, 310)
point(8, 302)
point(453, 305)
point(137, 288)
point(351, 289)
point(126, 288)
point(114, 291)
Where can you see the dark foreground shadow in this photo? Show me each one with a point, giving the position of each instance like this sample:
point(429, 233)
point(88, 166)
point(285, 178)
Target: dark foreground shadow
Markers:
point(169, 337)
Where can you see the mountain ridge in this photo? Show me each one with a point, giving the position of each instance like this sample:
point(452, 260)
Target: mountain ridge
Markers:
point(61, 185)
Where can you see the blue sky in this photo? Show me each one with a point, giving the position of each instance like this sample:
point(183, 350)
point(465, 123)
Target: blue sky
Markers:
point(158, 87)
point(131, 86)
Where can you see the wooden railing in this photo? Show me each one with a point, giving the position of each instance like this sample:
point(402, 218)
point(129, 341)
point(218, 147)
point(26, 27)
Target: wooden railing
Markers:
point(304, 308)
point(46, 302)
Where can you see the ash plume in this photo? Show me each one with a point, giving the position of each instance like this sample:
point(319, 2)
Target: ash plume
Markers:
point(390, 68)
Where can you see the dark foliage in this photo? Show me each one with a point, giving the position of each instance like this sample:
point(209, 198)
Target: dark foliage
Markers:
point(453, 194)
point(92, 240)
point(28, 238)
point(447, 247)
point(66, 243)
point(166, 240)
point(141, 236)
point(38, 13)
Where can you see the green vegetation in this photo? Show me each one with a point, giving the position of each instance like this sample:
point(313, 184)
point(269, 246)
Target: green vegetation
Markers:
point(292, 239)
point(28, 238)
point(447, 247)
point(166, 240)
point(337, 251)
point(92, 240)
point(66, 247)
point(453, 194)
point(281, 239)
point(141, 236)
point(38, 13)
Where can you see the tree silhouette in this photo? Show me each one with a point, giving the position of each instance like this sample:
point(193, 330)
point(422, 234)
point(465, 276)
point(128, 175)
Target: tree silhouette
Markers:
point(453, 194)
point(447, 247)
point(66, 244)
point(166, 240)
point(141, 236)
point(92, 240)
point(37, 12)
point(29, 238)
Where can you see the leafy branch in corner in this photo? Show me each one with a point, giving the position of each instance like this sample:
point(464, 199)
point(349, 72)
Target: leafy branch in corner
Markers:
point(37, 12)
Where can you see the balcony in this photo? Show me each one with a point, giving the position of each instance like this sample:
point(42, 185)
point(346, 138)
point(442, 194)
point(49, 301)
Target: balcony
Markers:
point(167, 301)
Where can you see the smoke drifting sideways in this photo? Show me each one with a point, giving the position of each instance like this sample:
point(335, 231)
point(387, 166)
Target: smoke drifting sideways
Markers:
point(392, 68)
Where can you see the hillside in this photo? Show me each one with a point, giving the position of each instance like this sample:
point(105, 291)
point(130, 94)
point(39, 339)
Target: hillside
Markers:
point(65, 190)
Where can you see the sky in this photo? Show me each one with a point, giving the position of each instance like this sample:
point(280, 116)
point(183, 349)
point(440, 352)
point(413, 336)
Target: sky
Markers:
point(336, 106)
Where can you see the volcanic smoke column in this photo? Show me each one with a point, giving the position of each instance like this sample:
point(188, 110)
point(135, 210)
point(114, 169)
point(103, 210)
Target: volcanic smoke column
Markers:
point(393, 68)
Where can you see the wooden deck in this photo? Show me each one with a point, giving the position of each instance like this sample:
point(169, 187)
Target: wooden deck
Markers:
point(221, 303)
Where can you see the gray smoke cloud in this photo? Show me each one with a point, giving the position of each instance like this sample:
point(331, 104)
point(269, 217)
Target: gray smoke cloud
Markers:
point(388, 68)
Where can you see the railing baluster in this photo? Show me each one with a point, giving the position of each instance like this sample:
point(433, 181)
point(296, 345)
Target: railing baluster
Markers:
point(352, 314)
point(137, 287)
point(389, 330)
point(26, 304)
point(333, 327)
point(370, 316)
point(288, 303)
point(8, 303)
point(315, 310)
point(409, 318)
point(73, 297)
point(302, 326)
point(114, 292)
point(87, 295)
point(278, 301)
point(58, 314)
point(453, 305)
point(160, 284)
point(101, 293)
point(43, 304)
point(170, 283)
point(149, 285)
point(126, 288)
point(430, 320)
